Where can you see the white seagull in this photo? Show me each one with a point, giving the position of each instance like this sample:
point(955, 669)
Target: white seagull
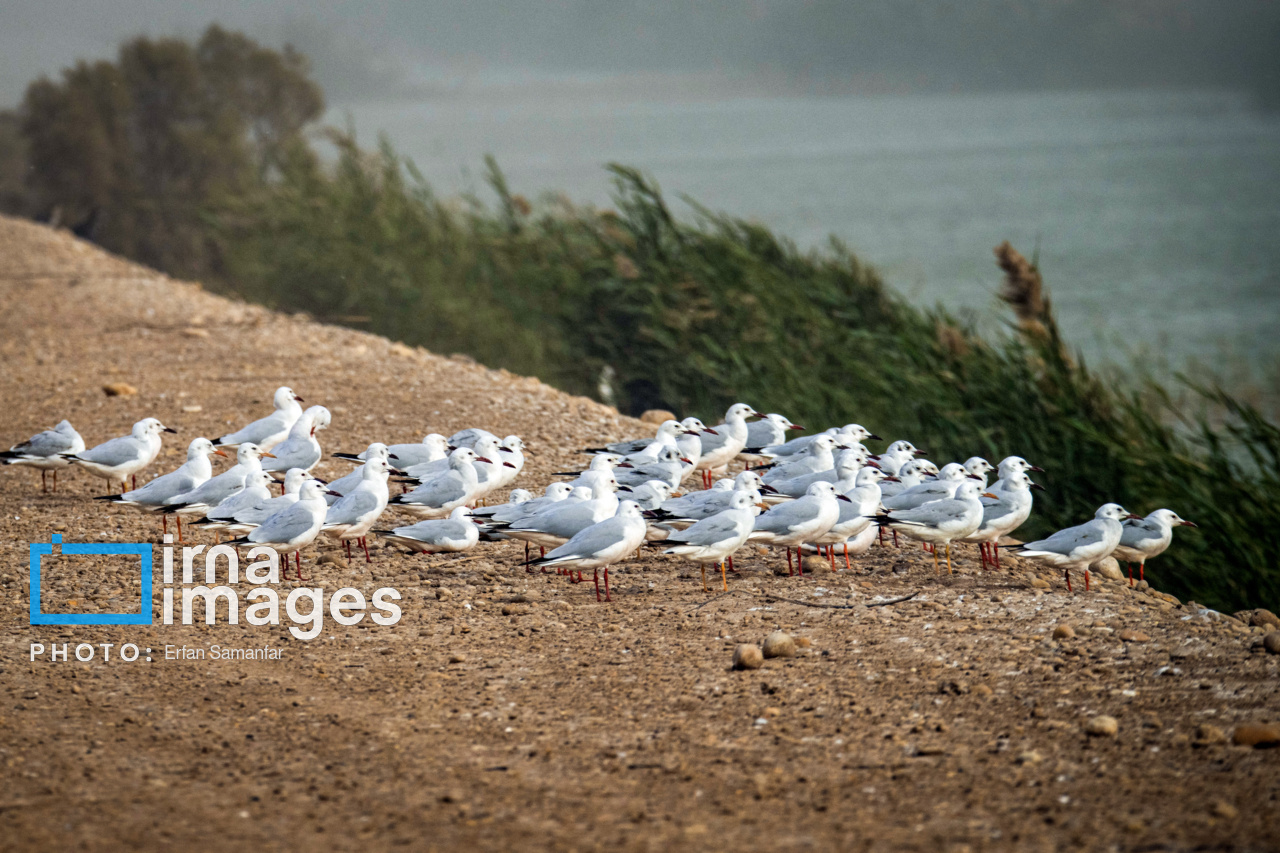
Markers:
point(714, 539)
point(121, 458)
point(46, 451)
point(1148, 537)
point(294, 527)
point(269, 431)
point(1081, 546)
point(433, 536)
point(600, 545)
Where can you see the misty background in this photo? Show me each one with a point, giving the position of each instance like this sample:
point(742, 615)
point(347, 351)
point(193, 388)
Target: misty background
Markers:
point(1132, 145)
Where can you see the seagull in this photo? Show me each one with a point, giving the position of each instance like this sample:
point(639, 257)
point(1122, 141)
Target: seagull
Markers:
point(468, 437)
point(560, 522)
point(949, 479)
point(1081, 546)
point(1009, 466)
point(378, 452)
point(669, 467)
point(714, 539)
point(648, 495)
point(908, 476)
point(940, 521)
point(269, 431)
point(979, 468)
point(215, 490)
point(455, 533)
point(294, 527)
point(491, 476)
point(818, 456)
point(1148, 537)
point(300, 449)
point(353, 514)
point(433, 447)
point(606, 461)
point(192, 473)
point(769, 431)
point(512, 452)
point(47, 451)
point(256, 492)
point(243, 516)
point(441, 495)
point(600, 545)
point(854, 519)
point(666, 434)
point(708, 502)
point(516, 508)
point(1001, 515)
point(843, 475)
point(801, 520)
point(847, 434)
point(724, 441)
point(121, 458)
point(897, 455)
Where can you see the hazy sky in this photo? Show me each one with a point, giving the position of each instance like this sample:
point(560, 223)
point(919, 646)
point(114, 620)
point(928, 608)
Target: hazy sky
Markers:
point(380, 49)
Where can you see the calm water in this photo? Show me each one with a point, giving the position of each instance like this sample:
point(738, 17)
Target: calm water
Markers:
point(1157, 214)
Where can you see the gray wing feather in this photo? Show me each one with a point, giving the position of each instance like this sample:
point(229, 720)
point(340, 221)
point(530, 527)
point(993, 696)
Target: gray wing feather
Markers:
point(351, 508)
point(117, 451)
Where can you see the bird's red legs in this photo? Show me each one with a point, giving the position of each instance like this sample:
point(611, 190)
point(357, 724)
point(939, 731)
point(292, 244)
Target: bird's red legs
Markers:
point(55, 481)
point(297, 556)
point(831, 556)
point(731, 568)
point(703, 566)
point(1086, 580)
point(1067, 572)
point(790, 571)
point(724, 579)
point(135, 481)
point(526, 553)
point(364, 543)
point(1130, 565)
point(43, 486)
point(1141, 570)
point(347, 544)
point(606, 584)
point(597, 585)
point(178, 518)
point(846, 558)
point(166, 524)
point(542, 551)
point(895, 540)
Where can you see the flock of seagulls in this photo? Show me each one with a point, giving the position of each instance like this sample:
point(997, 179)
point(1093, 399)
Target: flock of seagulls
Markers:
point(814, 494)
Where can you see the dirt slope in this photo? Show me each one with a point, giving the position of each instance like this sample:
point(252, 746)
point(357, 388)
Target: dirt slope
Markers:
point(510, 710)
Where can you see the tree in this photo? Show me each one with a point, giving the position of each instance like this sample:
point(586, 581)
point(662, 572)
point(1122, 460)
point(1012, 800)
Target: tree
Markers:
point(151, 140)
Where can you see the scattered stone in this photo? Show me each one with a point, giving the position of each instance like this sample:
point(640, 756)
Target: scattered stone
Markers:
point(657, 416)
point(1108, 568)
point(443, 593)
point(1040, 583)
point(1209, 735)
point(1271, 642)
point(119, 389)
point(330, 560)
point(1129, 635)
point(1031, 756)
point(194, 332)
point(1259, 618)
point(514, 609)
point(982, 690)
point(1102, 726)
point(1225, 810)
point(457, 657)
point(814, 564)
point(803, 642)
point(1258, 735)
point(1064, 632)
point(747, 656)
point(779, 644)
point(953, 688)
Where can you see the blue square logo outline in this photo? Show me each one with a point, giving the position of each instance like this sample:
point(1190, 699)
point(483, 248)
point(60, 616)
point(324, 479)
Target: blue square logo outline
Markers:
point(140, 549)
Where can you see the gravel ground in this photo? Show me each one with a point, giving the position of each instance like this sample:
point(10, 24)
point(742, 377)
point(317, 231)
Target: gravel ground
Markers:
point(508, 709)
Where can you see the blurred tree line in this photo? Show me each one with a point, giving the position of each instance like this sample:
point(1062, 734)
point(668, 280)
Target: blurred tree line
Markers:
point(199, 160)
point(136, 152)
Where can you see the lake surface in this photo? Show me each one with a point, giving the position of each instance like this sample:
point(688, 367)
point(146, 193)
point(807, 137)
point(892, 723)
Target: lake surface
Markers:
point(1156, 214)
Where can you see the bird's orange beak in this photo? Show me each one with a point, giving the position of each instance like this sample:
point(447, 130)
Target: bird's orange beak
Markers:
point(219, 452)
point(266, 455)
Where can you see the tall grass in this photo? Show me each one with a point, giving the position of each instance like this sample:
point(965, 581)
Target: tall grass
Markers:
point(705, 312)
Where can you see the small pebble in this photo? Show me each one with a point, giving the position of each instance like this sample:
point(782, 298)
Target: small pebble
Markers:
point(1064, 632)
point(1102, 726)
point(1131, 636)
point(747, 656)
point(1271, 642)
point(779, 644)
point(1257, 735)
